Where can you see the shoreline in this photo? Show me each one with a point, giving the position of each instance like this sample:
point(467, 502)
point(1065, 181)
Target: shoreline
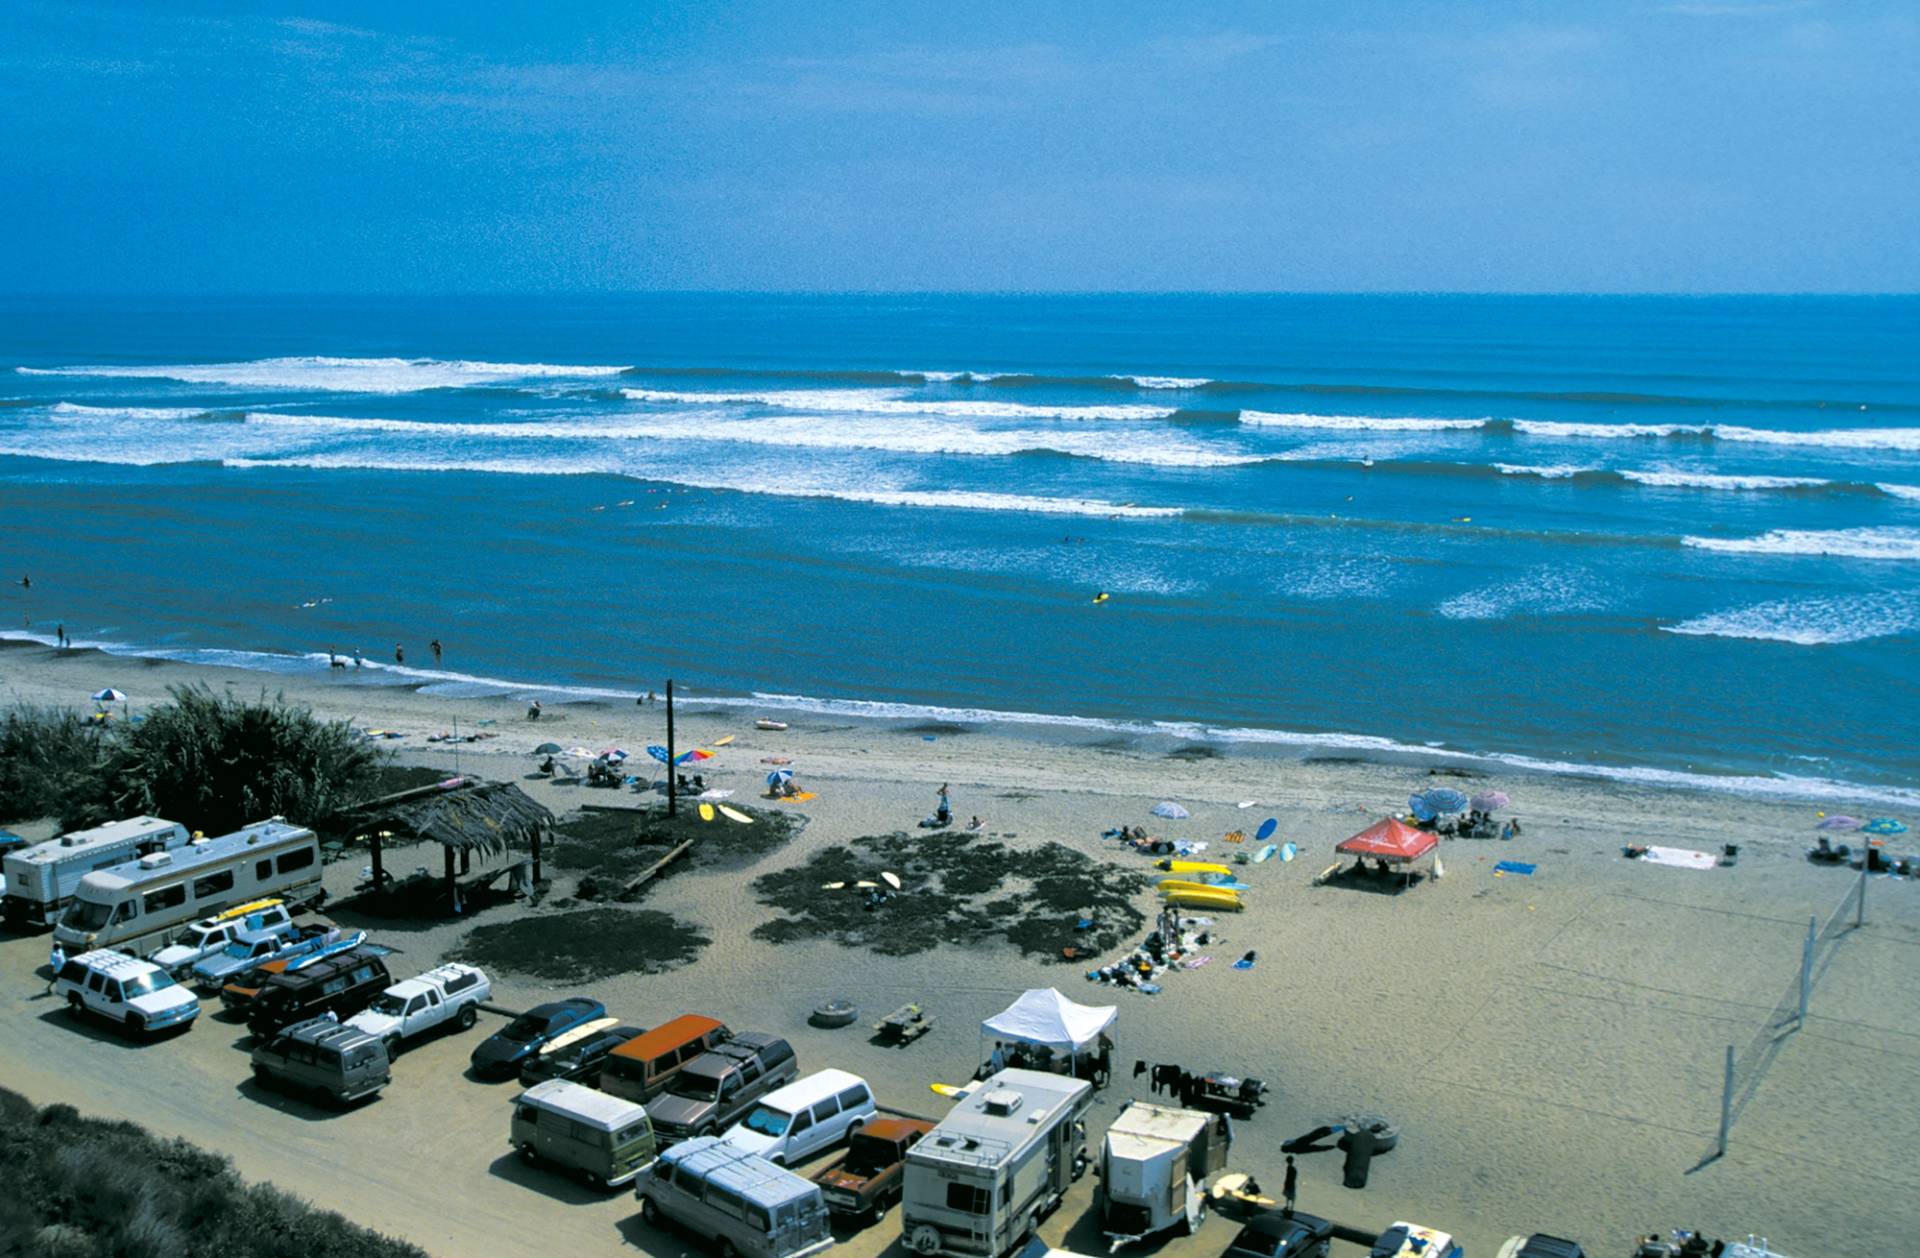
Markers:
point(1177, 740)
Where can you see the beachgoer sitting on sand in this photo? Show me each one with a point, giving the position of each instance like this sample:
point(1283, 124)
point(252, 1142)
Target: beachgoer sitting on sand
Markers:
point(1516, 827)
point(976, 823)
point(547, 766)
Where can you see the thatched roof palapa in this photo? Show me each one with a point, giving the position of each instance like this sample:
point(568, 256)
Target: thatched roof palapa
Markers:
point(461, 814)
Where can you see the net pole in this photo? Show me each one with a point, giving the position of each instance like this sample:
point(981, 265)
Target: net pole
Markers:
point(1860, 910)
point(1726, 1103)
point(1806, 966)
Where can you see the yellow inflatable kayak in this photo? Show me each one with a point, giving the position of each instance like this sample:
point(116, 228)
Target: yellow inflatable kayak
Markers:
point(1192, 867)
point(1195, 895)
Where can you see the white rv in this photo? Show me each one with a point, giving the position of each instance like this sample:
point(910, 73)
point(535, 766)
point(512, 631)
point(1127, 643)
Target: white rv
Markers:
point(40, 880)
point(140, 905)
point(979, 1183)
point(1152, 1167)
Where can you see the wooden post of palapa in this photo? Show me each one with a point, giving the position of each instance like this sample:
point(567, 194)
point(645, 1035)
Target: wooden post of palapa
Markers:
point(673, 794)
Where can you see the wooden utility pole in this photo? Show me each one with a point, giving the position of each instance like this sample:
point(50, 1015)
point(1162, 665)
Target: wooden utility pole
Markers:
point(673, 779)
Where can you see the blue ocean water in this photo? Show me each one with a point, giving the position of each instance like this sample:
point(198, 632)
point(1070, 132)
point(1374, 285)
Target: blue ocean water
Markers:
point(1664, 539)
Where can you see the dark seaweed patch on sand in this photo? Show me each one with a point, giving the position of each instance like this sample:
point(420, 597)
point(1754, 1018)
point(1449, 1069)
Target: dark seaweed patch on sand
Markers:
point(584, 944)
point(955, 889)
point(613, 846)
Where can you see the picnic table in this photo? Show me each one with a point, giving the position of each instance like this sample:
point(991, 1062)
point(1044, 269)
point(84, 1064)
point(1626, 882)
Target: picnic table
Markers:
point(904, 1025)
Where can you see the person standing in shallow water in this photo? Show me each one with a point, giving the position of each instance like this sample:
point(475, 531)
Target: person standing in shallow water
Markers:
point(434, 646)
point(399, 654)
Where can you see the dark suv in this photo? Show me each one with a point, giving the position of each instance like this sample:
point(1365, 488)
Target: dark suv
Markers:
point(342, 985)
point(720, 1085)
point(581, 1061)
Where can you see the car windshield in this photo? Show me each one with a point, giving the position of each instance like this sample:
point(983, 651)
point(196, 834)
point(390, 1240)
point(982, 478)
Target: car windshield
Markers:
point(145, 985)
point(86, 915)
point(524, 1028)
point(388, 1003)
point(696, 1087)
point(768, 1122)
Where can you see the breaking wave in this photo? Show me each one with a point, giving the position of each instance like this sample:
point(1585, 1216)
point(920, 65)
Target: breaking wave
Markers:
point(894, 402)
point(1811, 621)
point(1857, 543)
point(336, 375)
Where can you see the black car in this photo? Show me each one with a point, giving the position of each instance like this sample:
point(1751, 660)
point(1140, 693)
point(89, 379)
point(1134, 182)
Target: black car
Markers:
point(579, 1061)
point(1540, 1245)
point(1283, 1234)
point(342, 985)
point(500, 1055)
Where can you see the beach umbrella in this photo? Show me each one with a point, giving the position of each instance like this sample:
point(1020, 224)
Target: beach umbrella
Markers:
point(1167, 808)
point(614, 754)
point(1444, 799)
point(547, 749)
point(1839, 821)
point(1488, 801)
point(694, 757)
point(109, 695)
point(1420, 808)
point(1884, 825)
point(579, 753)
point(779, 777)
point(659, 753)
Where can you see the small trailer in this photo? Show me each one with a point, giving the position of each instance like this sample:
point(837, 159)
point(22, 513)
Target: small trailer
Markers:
point(1152, 1167)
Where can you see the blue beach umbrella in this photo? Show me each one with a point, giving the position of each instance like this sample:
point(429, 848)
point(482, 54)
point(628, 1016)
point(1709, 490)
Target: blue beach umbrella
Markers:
point(1444, 799)
point(1420, 808)
point(659, 753)
point(778, 777)
point(1884, 825)
point(109, 695)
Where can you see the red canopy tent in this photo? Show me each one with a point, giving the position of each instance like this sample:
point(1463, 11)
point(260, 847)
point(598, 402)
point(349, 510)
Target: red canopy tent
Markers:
point(1390, 841)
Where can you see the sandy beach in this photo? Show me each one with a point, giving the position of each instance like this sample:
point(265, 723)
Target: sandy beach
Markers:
point(1550, 1045)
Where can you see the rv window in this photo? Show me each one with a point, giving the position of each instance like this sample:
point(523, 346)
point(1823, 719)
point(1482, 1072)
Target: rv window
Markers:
point(213, 884)
point(855, 1096)
point(968, 1199)
point(166, 897)
point(299, 858)
point(726, 1202)
point(262, 870)
point(128, 910)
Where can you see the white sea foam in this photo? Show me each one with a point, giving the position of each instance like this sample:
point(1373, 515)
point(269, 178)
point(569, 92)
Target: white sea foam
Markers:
point(1830, 438)
point(1555, 471)
point(1674, 479)
point(1909, 492)
point(1355, 423)
point(1544, 591)
point(1885, 543)
point(1811, 621)
point(1565, 429)
point(74, 410)
point(1167, 382)
point(337, 375)
point(892, 402)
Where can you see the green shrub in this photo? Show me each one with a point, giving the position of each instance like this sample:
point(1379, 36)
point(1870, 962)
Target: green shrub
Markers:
point(50, 758)
point(81, 1186)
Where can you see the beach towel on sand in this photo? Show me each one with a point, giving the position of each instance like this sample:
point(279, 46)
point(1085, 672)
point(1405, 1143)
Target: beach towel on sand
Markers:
point(1684, 858)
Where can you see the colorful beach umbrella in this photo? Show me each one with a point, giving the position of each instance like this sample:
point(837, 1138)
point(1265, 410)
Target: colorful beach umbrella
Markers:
point(1884, 825)
point(779, 777)
point(615, 754)
point(1839, 821)
point(694, 757)
point(109, 695)
point(1489, 801)
point(1167, 808)
point(1444, 799)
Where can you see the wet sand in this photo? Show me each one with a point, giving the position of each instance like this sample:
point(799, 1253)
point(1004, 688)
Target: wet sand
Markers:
point(1550, 1046)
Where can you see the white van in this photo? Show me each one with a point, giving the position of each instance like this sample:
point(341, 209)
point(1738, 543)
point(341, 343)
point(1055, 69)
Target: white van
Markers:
point(744, 1205)
point(793, 1123)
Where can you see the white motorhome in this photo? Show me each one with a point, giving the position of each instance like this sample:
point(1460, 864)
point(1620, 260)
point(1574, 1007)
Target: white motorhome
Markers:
point(41, 880)
point(979, 1183)
point(1153, 1164)
point(142, 904)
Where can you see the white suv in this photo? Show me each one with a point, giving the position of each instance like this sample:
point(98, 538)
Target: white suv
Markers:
point(127, 991)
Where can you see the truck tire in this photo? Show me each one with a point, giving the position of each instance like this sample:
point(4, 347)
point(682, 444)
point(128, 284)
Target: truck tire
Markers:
point(467, 1017)
point(392, 1043)
point(727, 1250)
point(527, 1154)
point(262, 1076)
point(649, 1213)
point(136, 1026)
point(76, 1006)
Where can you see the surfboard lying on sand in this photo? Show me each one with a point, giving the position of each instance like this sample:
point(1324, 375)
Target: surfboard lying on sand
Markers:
point(766, 724)
point(721, 742)
point(1265, 853)
point(1202, 896)
point(1194, 867)
point(890, 878)
point(734, 814)
point(1266, 829)
point(706, 812)
point(1288, 851)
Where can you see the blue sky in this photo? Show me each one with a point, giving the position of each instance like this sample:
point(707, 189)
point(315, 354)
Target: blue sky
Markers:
point(1689, 145)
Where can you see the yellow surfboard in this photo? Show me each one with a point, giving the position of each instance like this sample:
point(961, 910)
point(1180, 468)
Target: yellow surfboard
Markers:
point(706, 812)
point(721, 742)
point(734, 814)
point(1194, 867)
point(1196, 896)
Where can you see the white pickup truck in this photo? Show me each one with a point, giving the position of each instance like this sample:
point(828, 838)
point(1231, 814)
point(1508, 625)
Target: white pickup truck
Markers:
point(449, 994)
point(209, 935)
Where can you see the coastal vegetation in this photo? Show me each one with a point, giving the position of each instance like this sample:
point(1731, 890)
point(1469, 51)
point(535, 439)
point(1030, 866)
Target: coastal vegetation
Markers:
point(81, 1187)
point(207, 759)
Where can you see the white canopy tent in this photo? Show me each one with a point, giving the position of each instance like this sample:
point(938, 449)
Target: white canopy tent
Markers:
point(1045, 1030)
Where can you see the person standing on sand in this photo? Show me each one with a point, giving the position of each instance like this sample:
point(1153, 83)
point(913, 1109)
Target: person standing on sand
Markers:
point(434, 646)
point(1291, 1185)
point(56, 962)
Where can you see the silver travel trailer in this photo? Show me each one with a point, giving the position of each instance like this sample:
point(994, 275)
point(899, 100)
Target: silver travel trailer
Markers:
point(1153, 1165)
point(142, 904)
point(40, 880)
point(979, 1183)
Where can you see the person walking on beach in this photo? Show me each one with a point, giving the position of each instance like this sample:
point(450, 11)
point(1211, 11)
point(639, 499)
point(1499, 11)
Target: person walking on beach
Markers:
point(60, 636)
point(399, 654)
point(1290, 1186)
point(357, 661)
point(434, 646)
point(944, 812)
point(56, 962)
